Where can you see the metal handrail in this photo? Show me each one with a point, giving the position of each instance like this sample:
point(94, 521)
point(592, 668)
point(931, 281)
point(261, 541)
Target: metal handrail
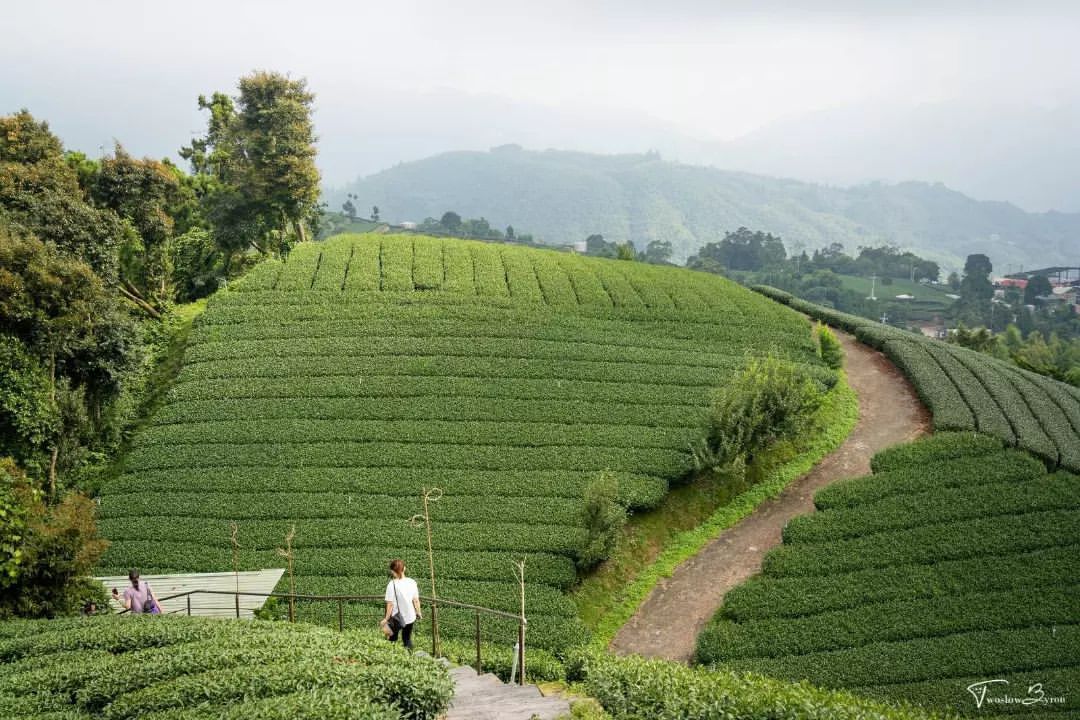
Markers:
point(342, 599)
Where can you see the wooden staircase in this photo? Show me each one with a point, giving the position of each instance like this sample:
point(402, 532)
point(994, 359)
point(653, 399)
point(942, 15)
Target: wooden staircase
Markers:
point(486, 697)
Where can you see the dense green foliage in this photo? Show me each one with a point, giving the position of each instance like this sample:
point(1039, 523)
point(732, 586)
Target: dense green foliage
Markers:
point(767, 401)
point(329, 389)
point(968, 390)
point(955, 561)
point(632, 688)
point(641, 198)
point(128, 667)
point(257, 164)
point(47, 551)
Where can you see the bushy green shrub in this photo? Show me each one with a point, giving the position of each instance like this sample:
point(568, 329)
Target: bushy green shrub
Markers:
point(603, 518)
point(49, 551)
point(832, 354)
point(768, 400)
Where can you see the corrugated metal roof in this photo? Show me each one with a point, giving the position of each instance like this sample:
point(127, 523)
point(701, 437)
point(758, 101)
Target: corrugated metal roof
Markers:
point(205, 605)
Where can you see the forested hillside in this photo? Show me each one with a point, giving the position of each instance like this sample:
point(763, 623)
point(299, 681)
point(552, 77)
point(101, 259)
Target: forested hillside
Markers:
point(566, 196)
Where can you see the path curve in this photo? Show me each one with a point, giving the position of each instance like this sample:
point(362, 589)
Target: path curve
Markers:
point(668, 622)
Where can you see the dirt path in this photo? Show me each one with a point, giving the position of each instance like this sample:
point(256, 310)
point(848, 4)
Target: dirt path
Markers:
point(668, 622)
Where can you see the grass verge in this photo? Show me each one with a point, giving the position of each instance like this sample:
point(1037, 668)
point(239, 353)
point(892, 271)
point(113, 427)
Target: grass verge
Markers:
point(655, 543)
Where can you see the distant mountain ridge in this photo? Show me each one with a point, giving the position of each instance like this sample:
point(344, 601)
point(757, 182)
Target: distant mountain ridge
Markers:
point(564, 196)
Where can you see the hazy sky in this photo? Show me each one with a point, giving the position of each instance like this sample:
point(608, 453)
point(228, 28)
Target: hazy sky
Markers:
point(710, 70)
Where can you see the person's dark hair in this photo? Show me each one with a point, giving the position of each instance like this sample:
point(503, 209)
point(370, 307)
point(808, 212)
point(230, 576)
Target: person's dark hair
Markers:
point(133, 576)
point(397, 567)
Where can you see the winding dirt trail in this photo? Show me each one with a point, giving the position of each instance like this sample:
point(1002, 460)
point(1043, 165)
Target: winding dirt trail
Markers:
point(668, 622)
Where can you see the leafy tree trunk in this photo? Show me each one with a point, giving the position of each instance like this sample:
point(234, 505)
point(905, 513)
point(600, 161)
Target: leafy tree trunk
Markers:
point(300, 231)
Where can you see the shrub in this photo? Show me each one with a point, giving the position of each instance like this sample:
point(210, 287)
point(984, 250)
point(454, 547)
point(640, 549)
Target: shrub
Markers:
point(603, 518)
point(51, 557)
point(768, 400)
point(829, 348)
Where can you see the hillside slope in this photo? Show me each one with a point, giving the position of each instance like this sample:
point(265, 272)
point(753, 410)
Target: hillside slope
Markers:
point(955, 563)
point(565, 196)
point(328, 391)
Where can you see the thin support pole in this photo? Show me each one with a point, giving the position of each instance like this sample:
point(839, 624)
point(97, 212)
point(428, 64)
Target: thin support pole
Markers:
point(340, 615)
point(292, 607)
point(189, 605)
point(519, 571)
point(237, 598)
point(479, 665)
point(429, 496)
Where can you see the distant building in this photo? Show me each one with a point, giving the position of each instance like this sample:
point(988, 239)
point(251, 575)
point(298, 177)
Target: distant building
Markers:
point(408, 225)
point(581, 247)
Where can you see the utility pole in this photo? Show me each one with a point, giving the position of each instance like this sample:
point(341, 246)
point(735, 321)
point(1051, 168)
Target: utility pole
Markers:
point(873, 281)
point(884, 319)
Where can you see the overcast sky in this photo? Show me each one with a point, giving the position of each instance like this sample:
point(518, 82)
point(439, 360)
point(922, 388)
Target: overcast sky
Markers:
point(132, 69)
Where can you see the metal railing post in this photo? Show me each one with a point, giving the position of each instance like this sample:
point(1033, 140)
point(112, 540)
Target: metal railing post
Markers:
point(479, 664)
point(434, 630)
point(189, 604)
point(521, 652)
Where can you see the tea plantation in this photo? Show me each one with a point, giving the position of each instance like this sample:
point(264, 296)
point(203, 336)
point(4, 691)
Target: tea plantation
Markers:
point(957, 561)
point(328, 390)
point(186, 669)
point(968, 390)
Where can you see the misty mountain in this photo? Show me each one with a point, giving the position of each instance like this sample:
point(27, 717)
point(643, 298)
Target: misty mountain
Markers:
point(564, 196)
point(1023, 154)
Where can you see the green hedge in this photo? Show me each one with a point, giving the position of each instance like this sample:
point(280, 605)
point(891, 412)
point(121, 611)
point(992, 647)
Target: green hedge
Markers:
point(633, 688)
point(957, 558)
point(127, 667)
point(889, 621)
point(929, 543)
point(995, 467)
point(931, 450)
point(983, 652)
point(938, 505)
point(763, 596)
point(967, 390)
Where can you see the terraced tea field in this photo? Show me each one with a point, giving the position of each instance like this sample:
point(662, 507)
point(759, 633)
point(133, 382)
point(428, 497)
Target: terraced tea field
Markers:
point(967, 390)
point(956, 562)
point(328, 390)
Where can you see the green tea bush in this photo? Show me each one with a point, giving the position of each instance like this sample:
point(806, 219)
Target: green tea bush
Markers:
point(632, 688)
point(968, 390)
point(957, 560)
point(202, 668)
point(829, 347)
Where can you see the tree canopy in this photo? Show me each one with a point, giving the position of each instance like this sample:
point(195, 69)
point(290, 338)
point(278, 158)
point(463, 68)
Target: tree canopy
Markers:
point(257, 159)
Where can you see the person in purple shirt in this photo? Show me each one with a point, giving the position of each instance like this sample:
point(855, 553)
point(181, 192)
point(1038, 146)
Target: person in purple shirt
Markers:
point(138, 598)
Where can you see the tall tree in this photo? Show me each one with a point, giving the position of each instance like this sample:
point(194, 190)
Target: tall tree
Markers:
point(451, 221)
point(976, 284)
point(258, 156)
point(40, 193)
point(1037, 286)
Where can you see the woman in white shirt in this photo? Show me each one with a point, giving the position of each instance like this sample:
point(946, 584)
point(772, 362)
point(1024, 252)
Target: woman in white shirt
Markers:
point(402, 605)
